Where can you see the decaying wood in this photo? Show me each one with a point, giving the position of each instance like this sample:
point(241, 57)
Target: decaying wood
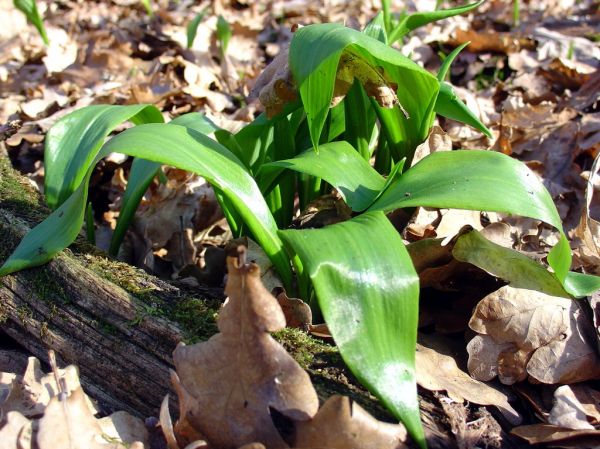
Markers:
point(122, 349)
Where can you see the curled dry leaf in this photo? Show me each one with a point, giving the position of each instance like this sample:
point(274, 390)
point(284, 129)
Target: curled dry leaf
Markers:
point(532, 333)
point(297, 312)
point(567, 411)
point(343, 424)
point(68, 423)
point(558, 436)
point(437, 370)
point(31, 392)
point(275, 87)
point(229, 382)
point(15, 431)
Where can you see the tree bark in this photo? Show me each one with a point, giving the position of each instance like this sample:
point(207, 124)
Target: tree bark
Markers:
point(121, 346)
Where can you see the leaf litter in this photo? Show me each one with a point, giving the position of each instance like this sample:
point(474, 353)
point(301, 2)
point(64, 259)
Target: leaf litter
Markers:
point(535, 84)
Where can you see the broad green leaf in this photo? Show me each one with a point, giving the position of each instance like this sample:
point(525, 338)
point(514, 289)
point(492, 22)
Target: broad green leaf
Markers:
point(314, 55)
point(29, 8)
point(368, 292)
point(360, 120)
point(181, 147)
point(74, 141)
point(192, 28)
point(478, 180)
point(416, 20)
point(141, 175)
point(515, 268)
point(449, 105)
point(52, 235)
point(579, 284)
point(341, 166)
point(376, 28)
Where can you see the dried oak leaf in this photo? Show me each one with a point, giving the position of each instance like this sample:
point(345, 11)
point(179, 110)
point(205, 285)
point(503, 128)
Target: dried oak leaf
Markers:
point(15, 431)
point(557, 436)
point(229, 382)
point(31, 392)
point(531, 333)
point(68, 423)
point(437, 370)
point(567, 411)
point(343, 424)
point(297, 313)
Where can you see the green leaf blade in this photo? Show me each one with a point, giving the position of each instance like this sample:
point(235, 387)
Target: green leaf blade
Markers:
point(30, 9)
point(368, 292)
point(75, 140)
point(340, 165)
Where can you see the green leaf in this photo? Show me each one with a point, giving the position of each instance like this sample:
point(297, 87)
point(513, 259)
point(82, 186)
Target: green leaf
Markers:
point(515, 268)
point(174, 145)
point(449, 105)
point(479, 180)
point(360, 119)
point(147, 6)
point(314, 55)
point(29, 8)
point(416, 20)
point(445, 67)
point(141, 175)
point(224, 33)
point(192, 28)
point(376, 28)
point(341, 166)
point(75, 140)
point(368, 292)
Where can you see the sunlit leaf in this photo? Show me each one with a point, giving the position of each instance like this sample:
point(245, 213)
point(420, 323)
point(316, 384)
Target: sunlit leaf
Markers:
point(418, 19)
point(478, 180)
point(368, 292)
point(174, 145)
point(29, 8)
point(357, 182)
point(75, 140)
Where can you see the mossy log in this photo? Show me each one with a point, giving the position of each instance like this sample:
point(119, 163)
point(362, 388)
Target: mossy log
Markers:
point(120, 325)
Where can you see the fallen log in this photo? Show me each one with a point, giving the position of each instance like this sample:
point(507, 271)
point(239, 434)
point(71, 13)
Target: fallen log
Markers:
point(119, 325)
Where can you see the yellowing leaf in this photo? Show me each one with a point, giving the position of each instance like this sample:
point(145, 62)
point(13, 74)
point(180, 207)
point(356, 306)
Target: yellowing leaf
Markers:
point(229, 382)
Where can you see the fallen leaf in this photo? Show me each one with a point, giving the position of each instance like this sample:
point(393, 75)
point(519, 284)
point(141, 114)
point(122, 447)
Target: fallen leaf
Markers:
point(68, 423)
point(567, 411)
point(229, 382)
point(122, 426)
point(297, 312)
point(343, 424)
point(545, 338)
point(557, 436)
point(15, 432)
point(437, 370)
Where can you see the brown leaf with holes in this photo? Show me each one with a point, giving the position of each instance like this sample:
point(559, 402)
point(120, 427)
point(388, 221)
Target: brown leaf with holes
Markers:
point(533, 334)
point(229, 382)
point(343, 424)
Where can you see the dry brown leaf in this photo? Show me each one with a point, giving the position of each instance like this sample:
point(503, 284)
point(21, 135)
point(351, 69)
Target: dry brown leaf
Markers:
point(437, 370)
point(121, 426)
point(68, 423)
point(558, 436)
point(15, 431)
point(343, 424)
point(297, 312)
point(533, 334)
point(567, 411)
point(229, 382)
point(30, 393)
